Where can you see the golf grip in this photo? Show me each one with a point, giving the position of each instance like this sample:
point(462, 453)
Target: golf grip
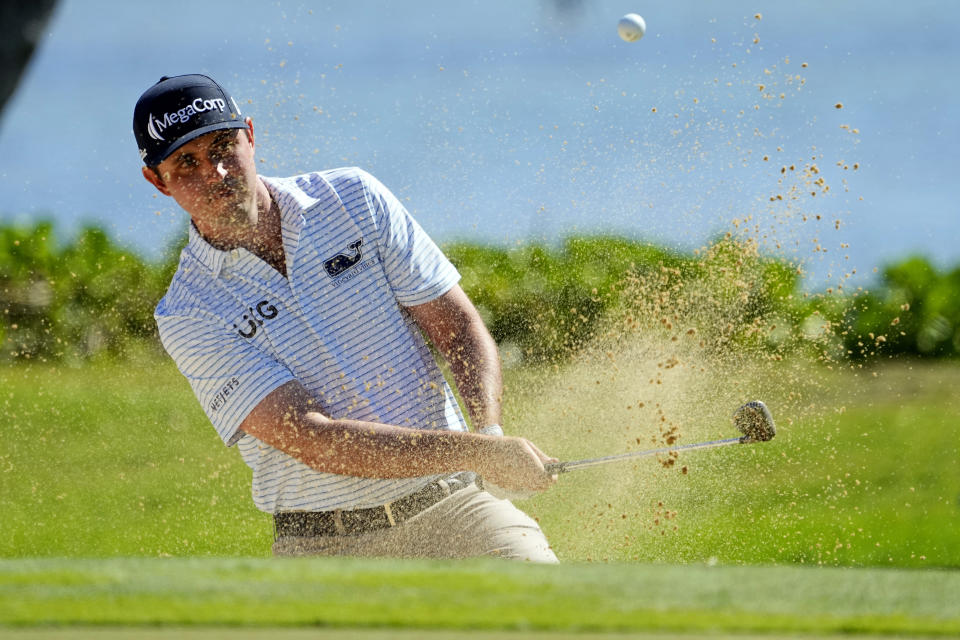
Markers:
point(563, 467)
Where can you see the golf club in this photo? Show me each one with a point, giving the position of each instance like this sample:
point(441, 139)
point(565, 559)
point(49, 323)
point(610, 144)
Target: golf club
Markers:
point(753, 420)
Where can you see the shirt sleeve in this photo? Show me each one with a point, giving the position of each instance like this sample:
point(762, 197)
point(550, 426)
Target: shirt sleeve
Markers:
point(416, 268)
point(229, 376)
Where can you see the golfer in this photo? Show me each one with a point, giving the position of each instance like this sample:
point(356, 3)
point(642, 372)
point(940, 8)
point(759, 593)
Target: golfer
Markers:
point(297, 314)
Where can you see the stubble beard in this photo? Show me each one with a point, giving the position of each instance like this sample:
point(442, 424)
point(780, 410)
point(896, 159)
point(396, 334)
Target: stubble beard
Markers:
point(237, 203)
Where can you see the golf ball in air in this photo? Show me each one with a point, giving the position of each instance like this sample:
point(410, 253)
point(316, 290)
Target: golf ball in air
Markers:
point(631, 27)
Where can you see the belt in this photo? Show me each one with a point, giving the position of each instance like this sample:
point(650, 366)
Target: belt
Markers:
point(355, 521)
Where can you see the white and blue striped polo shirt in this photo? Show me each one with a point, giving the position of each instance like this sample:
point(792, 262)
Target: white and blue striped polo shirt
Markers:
point(238, 329)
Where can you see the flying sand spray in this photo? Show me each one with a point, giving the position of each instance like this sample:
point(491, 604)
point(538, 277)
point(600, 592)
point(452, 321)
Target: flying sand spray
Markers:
point(753, 420)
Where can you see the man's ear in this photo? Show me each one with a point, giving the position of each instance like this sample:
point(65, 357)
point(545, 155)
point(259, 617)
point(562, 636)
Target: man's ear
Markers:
point(153, 178)
point(249, 122)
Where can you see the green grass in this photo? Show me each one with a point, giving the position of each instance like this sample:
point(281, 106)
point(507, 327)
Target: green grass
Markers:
point(286, 633)
point(272, 633)
point(108, 470)
point(478, 595)
point(863, 471)
point(118, 460)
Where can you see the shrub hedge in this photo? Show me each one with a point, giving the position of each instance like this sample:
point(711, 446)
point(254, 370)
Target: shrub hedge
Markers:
point(88, 297)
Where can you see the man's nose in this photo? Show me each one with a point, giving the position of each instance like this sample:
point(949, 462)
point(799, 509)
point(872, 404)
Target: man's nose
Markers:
point(214, 170)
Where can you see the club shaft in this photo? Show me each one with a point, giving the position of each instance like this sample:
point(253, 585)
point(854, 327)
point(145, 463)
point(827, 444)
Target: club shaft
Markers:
point(563, 467)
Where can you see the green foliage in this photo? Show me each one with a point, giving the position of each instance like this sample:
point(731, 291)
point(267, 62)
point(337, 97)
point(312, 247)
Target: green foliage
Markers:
point(85, 298)
point(549, 302)
point(915, 312)
point(90, 297)
point(739, 298)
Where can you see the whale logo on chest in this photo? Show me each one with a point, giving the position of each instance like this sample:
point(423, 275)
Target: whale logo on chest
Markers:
point(342, 261)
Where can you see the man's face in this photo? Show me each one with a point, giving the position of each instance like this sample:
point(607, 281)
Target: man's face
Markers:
point(214, 179)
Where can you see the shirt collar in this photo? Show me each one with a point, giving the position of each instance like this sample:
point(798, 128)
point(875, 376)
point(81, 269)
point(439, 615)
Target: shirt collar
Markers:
point(292, 202)
point(205, 253)
point(290, 197)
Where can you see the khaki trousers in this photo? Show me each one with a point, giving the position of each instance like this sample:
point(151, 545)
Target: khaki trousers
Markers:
point(468, 523)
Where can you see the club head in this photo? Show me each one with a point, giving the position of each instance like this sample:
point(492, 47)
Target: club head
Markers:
point(754, 421)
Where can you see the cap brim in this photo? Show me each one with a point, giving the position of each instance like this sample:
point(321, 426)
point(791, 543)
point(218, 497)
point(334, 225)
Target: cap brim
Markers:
point(196, 133)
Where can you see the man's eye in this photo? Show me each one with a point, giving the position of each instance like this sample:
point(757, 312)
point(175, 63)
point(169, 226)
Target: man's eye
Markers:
point(188, 162)
point(222, 150)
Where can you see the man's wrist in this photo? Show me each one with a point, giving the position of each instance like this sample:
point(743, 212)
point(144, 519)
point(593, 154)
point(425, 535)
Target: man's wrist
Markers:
point(491, 430)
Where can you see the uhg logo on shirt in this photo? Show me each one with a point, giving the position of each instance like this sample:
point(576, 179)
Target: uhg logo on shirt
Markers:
point(251, 321)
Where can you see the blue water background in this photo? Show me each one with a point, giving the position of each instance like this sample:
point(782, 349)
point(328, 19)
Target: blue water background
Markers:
point(512, 121)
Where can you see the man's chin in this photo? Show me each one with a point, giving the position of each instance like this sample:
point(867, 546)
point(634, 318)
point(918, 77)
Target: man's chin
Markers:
point(243, 216)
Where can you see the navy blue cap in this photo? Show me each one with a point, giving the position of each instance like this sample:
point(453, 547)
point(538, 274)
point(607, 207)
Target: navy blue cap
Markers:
point(176, 110)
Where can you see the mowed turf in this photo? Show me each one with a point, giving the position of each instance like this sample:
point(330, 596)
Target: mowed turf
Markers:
point(113, 488)
point(119, 460)
point(863, 471)
point(476, 595)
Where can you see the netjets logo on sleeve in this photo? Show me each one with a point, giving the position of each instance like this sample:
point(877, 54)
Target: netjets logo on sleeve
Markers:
point(156, 126)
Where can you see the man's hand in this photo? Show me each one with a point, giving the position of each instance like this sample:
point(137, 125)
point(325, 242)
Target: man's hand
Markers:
point(513, 469)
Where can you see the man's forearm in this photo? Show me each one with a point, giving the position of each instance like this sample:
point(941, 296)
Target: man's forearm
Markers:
point(289, 419)
point(475, 365)
point(456, 329)
point(373, 450)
